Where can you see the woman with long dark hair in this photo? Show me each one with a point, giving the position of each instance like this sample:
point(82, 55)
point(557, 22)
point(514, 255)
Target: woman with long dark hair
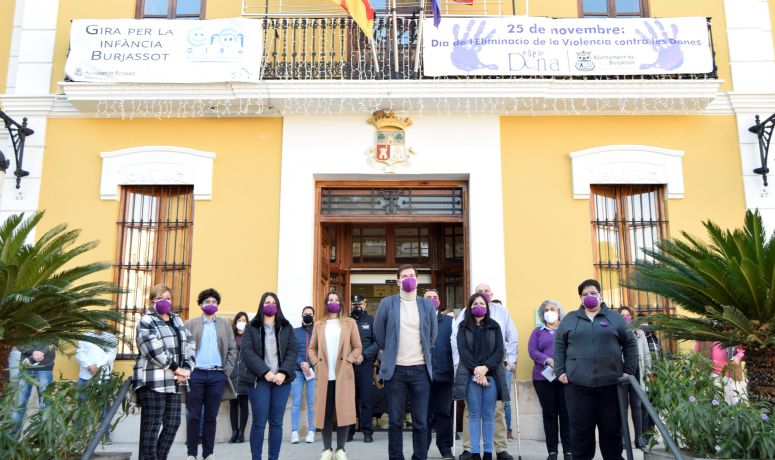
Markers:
point(480, 379)
point(335, 346)
point(269, 351)
point(238, 407)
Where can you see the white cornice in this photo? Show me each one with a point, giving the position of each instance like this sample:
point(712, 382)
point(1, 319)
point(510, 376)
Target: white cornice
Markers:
point(500, 97)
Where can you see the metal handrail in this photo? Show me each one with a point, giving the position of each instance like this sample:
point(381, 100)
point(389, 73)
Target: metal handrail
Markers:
point(105, 423)
point(645, 403)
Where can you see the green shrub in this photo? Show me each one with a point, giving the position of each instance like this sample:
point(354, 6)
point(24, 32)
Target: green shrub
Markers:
point(693, 409)
point(63, 428)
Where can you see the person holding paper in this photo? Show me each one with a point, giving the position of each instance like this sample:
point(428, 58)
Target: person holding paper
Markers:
point(305, 378)
point(335, 347)
point(551, 393)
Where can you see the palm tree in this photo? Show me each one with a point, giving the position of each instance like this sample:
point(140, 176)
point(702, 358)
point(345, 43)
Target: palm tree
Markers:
point(43, 296)
point(726, 286)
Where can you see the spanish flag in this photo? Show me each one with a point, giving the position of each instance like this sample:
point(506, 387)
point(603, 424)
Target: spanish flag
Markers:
point(362, 13)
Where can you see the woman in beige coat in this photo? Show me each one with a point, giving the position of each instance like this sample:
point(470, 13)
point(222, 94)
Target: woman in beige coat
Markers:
point(336, 340)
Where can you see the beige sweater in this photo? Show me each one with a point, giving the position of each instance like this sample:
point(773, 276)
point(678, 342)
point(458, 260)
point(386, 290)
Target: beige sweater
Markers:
point(409, 344)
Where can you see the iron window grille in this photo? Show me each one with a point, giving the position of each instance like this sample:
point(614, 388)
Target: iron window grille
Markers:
point(625, 220)
point(392, 202)
point(155, 228)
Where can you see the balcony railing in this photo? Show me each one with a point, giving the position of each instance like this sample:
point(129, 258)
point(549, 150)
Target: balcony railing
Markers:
point(334, 48)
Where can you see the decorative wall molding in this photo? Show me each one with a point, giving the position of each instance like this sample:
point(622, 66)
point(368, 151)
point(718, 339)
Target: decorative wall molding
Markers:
point(157, 165)
point(627, 164)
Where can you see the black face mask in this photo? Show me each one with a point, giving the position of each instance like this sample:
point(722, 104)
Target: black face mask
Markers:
point(357, 312)
point(307, 319)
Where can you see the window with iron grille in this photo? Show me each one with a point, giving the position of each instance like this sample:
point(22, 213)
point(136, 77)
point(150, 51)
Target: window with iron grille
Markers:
point(170, 9)
point(155, 227)
point(613, 8)
point(625, 220)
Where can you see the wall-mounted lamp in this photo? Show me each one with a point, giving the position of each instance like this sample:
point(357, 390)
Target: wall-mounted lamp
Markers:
point(18, 133)
point(763, 131)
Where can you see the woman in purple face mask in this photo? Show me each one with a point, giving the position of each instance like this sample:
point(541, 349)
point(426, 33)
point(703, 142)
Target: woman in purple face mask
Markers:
point(269, 351)
point(644, 365)
point(161, 372)
point(335, 390)
point(480, 379)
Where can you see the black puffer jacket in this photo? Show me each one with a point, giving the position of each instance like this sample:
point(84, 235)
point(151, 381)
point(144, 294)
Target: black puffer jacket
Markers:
point(252, 352)
point(465, 370)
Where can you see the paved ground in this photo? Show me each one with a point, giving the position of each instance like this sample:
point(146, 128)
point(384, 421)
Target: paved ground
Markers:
point(357, 450)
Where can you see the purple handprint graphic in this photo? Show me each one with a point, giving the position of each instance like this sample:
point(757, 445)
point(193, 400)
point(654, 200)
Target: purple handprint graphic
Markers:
point(465, 53)
point(670, 56)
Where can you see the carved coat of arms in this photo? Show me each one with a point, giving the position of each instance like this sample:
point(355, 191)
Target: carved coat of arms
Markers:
point(390, 149)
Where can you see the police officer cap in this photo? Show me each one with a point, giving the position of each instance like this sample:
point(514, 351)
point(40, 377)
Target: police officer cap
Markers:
point(357, 299)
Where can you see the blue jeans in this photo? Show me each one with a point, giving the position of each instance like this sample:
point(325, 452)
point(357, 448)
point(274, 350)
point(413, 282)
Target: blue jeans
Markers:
point(268, 403)
point(41, 380)
point(297, 388)
point(506, 405)
point(83, 395)
point(481, 414)
point(414, 383)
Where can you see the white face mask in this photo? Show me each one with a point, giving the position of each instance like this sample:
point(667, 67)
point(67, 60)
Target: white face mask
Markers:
point(241, 326)
point(551, 317)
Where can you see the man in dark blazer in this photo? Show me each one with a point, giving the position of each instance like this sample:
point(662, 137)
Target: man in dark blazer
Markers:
point(440, 404)
point(405, 329)
point(216, 352)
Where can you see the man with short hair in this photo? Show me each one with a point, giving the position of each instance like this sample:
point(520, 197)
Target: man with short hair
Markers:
point(405, 329)
point(501, 315)
point(216, 352)
point(440, 404)
point(364, 365)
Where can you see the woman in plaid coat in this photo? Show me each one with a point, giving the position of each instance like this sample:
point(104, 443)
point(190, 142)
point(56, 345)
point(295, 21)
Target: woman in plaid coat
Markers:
point(166, 358)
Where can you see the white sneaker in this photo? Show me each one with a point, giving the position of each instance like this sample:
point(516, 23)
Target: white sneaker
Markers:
point(190, 457)
point(294, 437)
point(310, 437)
point(327, 455)
point(340, 455)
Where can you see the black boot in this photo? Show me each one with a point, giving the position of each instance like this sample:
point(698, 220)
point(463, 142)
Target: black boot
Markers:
point(233, 438)
point(241, 436)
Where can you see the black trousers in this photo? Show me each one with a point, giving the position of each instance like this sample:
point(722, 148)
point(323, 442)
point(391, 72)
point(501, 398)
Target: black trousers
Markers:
point(238, 412)
point(364, 396)
point(589, 408)
point(551, 395)
point(440, 415)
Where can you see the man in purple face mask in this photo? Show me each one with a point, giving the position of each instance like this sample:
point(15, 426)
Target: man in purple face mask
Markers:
point(405, 329)
point(216, 352)
point(588, 349)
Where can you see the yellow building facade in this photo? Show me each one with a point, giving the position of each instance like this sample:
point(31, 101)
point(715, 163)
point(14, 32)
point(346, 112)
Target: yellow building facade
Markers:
point(534, 183)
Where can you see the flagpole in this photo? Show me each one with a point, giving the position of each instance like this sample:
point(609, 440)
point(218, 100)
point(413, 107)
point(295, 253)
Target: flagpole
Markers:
point(395, 37)
point(418, 49)
point(374, 54)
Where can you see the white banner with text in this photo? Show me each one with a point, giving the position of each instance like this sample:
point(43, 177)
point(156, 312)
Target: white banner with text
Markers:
point(165, 51)
point(523, 45)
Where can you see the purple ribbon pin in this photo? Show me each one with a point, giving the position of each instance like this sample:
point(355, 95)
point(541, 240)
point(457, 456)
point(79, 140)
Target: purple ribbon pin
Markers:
point(604, 323)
